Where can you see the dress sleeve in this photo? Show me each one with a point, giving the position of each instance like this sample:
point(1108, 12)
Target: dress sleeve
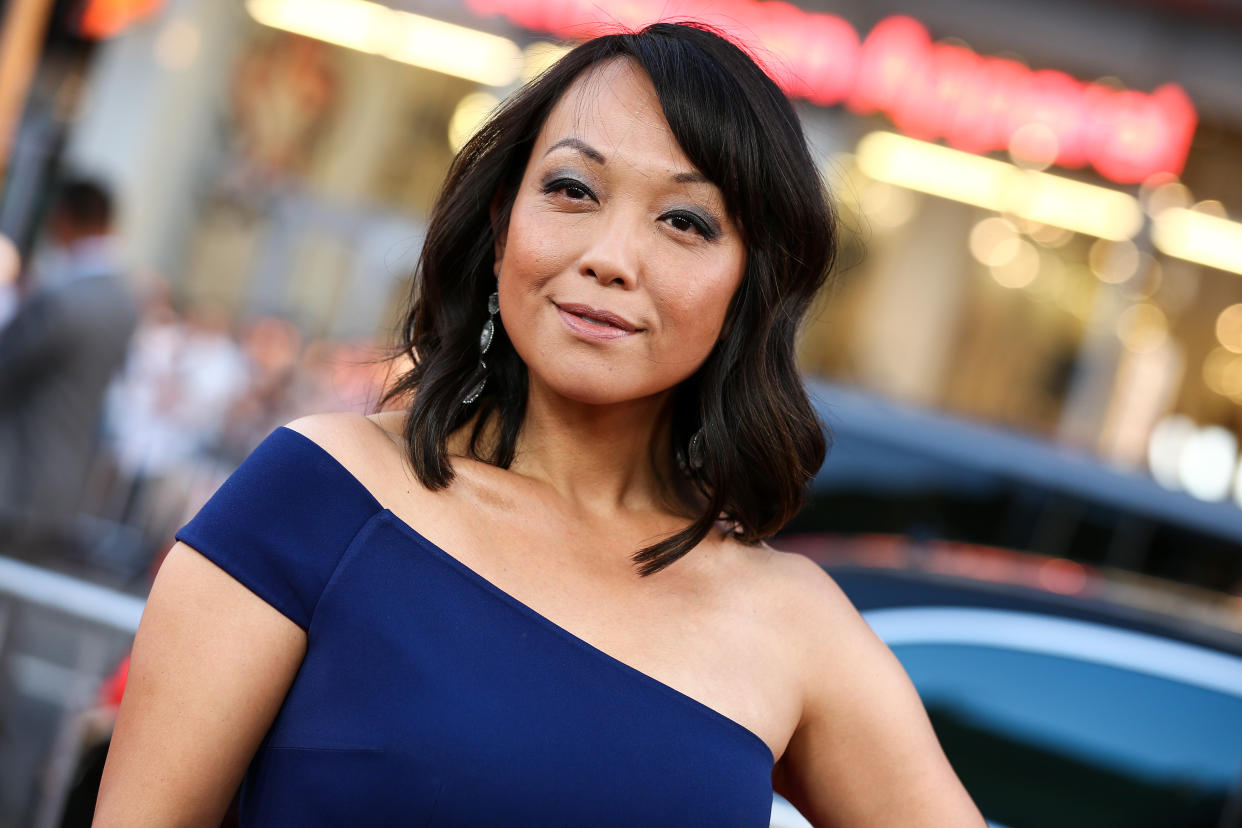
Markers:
point(282, 521)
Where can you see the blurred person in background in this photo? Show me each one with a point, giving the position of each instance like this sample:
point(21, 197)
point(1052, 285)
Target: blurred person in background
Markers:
point(338, 376)
point(168, 409)
point(10, 268)
point(141, 434)
point(146, 439)
point(59, 351)
point(210, 374)
point(272, 349)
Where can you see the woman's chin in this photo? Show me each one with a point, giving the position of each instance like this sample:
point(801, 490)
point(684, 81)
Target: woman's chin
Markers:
point(598, 390)
point(594, 396)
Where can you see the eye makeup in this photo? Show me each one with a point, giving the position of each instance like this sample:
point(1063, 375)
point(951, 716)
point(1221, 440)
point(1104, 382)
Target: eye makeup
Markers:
point(571, 185)
point(705, 224)
point(564, 180)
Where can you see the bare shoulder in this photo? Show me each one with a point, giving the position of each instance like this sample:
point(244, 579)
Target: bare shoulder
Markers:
point(824, 635)
point(346, 429)
point(804, 613)
point(369, 447)
point(863, 752)
point(799, 574)
point(801, 589)
point(350, 436)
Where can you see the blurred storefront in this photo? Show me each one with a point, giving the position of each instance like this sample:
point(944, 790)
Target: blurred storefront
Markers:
point(1036, 196)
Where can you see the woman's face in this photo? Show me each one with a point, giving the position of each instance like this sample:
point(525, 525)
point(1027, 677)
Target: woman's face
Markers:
point(619, 261)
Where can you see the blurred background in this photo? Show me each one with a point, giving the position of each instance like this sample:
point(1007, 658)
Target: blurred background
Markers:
point(1030, 358)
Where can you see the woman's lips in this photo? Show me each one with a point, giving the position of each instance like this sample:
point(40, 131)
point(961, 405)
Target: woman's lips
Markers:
point(594, 323)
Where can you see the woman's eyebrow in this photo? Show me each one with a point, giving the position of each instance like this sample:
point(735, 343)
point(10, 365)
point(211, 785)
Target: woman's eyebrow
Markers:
point(582, 147)
point(692, 177)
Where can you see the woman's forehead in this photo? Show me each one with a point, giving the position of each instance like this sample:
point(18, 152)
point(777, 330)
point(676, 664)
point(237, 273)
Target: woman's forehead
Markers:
point(613, 108)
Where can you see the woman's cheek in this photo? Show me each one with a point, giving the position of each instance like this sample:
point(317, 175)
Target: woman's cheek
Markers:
point(537, 262)
point(698, 314)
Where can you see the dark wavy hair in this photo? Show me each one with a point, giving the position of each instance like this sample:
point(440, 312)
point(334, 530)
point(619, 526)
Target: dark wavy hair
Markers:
point(761, 441)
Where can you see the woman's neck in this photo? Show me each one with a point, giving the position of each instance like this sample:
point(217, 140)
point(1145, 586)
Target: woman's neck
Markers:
point(599, 458)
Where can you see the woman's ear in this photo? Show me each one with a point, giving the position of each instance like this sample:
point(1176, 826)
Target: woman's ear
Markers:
point(498, 213)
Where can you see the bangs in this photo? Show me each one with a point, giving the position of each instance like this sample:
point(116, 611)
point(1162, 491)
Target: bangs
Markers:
point(715, 117)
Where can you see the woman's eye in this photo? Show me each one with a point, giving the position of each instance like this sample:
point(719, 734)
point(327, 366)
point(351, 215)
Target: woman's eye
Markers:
point(573, 190)
point(688, 222)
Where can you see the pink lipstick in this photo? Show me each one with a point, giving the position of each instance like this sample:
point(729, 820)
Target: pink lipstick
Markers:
point(594, 323)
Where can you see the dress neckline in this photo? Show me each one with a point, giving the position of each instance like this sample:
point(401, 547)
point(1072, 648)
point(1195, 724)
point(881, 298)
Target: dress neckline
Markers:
point(534, 615)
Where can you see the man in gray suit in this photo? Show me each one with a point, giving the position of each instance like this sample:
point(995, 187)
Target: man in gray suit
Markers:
point(57, 355)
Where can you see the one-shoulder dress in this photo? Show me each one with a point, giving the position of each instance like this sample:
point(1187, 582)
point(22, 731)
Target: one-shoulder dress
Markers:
point(430, 697)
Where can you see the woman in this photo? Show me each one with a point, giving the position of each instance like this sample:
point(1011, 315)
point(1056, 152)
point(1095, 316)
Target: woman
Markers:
point(537, 596)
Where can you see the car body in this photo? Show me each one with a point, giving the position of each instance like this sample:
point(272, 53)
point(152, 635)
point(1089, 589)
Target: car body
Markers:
point(1062, 695)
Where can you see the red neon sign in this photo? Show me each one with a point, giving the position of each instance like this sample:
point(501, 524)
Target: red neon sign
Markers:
point(105, 18)
point(928, 90)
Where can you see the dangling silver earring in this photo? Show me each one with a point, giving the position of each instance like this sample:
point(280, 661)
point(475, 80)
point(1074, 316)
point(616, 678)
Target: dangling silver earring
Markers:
point(485, 342)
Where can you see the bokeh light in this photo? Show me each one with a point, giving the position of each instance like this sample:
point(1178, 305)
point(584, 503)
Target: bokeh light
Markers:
point(1142, 327)
point(1050, 236)
point(1229, 328)
point(887, 206)
point(538, 56)
point(469, 115)
point(1033, 146)
point(1164, 448)
point(1222, 372)
point(994, 241)
point(1147, 279)
point(1210, 207)
point(1205, 466)
point(1164, 192)
point(1113, 262)
point(1020, 269)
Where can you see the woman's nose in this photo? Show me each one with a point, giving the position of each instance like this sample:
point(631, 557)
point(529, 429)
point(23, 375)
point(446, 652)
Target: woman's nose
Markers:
point(612, 255)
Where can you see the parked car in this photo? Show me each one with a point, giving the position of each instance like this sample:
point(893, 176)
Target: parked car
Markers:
point(900, 469)
point(1062, 695)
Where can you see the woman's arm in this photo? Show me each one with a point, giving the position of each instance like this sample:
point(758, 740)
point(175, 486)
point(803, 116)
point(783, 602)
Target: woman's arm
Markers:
point(864, 754)
point(211, 665)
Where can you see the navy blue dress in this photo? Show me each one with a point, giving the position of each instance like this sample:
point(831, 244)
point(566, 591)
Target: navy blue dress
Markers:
point(430, 697)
